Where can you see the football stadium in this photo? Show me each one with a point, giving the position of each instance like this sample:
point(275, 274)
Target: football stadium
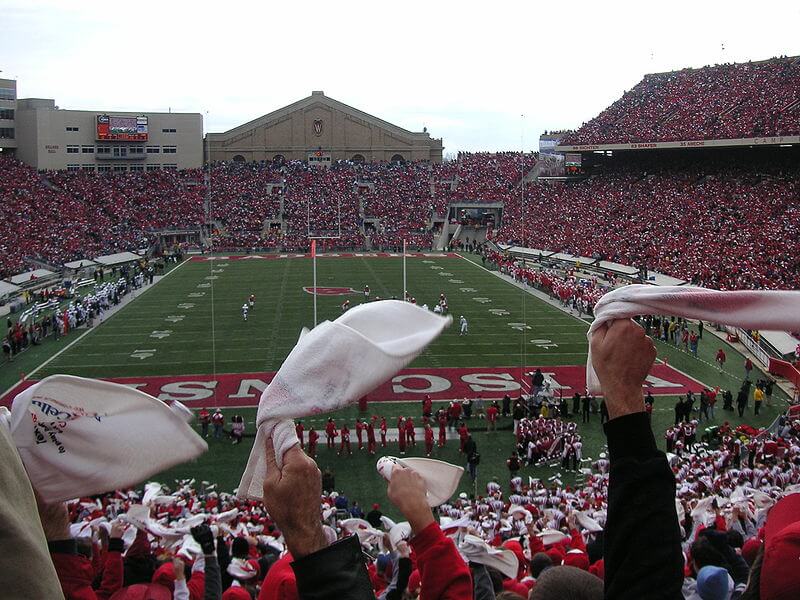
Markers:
point(420, 322)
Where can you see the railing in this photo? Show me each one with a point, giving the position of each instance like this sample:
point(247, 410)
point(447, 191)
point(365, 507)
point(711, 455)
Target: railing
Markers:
point(749, 343)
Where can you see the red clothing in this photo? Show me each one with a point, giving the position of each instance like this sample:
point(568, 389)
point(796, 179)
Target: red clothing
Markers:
point(410, 433)
point(313, 436)
point(428, 440)
point(204, 416)
point(370, 438)
point(345, 444)
point(75, 573)
point(330, 431)
point(299, 429)
point(280, 582)
point(236, 593)
point(491, 413)
point(359, 433)
point(443, 573)
point(427, 406)
point(463, 434)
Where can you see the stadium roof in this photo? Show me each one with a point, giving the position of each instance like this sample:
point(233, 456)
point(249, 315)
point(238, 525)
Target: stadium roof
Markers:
point(80, 264)
point(117, 259)
point(23, 278)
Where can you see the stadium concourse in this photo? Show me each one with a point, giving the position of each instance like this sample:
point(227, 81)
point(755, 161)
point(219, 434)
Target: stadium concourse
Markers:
point(713, 518)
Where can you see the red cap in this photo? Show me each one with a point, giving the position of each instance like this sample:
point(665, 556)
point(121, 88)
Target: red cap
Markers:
point(780, 577)
point(750, 549)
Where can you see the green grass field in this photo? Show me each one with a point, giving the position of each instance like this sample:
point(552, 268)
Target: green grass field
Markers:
point(190, 323)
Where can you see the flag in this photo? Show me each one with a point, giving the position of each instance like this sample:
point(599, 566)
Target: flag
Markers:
point(313, 248)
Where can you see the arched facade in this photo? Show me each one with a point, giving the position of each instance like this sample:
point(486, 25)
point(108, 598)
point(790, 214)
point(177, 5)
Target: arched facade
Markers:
point(322, 130)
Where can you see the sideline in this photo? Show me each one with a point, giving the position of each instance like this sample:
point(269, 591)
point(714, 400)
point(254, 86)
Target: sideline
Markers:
point(115, 310)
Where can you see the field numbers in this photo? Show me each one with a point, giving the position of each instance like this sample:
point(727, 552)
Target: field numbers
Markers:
point(468, 290)
point(546, 344)
point(142, 354)
point(160, 334)
point(500, 312)
point(519, 326)
point(196, 295)
point(204, 285)
point(482, 300)
point(175, 318)
point(456, 281)
point(186, 305)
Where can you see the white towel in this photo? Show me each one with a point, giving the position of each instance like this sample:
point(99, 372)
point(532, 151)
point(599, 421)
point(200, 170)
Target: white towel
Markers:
point(748, 309)
point(332, 366)
point(79, 437)
point(475, 549)
point(441, 478)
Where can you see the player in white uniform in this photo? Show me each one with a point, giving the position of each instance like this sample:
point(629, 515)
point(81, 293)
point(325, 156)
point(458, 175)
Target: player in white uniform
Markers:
point(245, 308)
point(252, 301)
point(366, 293)
point(464, 326)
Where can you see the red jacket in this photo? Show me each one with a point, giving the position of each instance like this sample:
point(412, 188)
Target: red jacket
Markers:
point(443, 572)
point(75, 573)
point(280, 582)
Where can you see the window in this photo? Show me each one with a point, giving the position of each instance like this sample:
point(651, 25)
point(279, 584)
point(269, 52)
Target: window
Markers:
point(73, 128)
point(87, 168)
point(169, 130)
point(120, 151)
point(73, 168)
point(153, 167)
point(87, 149)
point(137, 167)
point(73, 150)
point(7, 94)
point(104, 150)
point(170, 149)
point(136, 150)
point(170, 167)
point(120, 168)
point(6, 133)
point(103, 168)
point(6, 113)
point(153, 149)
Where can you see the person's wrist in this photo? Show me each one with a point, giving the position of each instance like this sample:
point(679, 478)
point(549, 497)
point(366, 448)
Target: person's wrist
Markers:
point(306, 540)
point(621, 401)
point(419, 517)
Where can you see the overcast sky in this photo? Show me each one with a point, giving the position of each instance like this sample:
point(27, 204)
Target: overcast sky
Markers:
point(481, 75)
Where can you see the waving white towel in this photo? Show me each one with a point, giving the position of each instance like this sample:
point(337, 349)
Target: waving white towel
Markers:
point(79, 437)
point(441, 478)
point(476, 550)
point(332, 366)
point(749, 309)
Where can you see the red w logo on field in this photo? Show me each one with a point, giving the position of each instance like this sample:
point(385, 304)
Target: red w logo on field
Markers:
point(330, 291)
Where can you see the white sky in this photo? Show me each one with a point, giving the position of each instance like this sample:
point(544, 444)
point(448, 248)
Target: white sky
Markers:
point(481, 75)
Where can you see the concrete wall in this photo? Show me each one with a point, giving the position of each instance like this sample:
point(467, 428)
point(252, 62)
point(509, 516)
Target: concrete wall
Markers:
point(45, 135)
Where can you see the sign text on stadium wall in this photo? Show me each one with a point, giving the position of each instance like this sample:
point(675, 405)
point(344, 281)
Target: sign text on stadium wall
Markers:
point(244, 389)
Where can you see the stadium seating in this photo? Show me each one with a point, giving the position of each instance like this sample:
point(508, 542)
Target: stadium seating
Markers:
point(721, 102)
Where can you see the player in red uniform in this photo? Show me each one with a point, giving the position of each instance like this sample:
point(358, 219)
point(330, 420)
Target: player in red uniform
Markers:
point(313, 436)
point(411, 435)
point(371, 435)
point(463, 436)
point(205, 419)
point(345, 442)
point(330, 431)
point(428, 440)
point(360, 433)
point(442, 418)
point(427, 406)
point(491, 416)
point(383, 432)
point(401, 435)
point(299, 429)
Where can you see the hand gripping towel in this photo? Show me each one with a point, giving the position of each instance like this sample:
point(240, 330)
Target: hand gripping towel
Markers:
point(441, 478)
point(331, 367)
point(79, 437)
point(749, 309)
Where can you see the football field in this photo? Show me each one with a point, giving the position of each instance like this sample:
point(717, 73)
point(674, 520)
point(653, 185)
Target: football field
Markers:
point(186, 339)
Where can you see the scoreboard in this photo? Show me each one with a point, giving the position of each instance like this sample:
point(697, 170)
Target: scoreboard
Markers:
point(124, 129)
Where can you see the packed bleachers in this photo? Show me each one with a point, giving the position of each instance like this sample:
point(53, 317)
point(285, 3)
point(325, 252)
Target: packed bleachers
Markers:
point(715, 102)
point(730, 224)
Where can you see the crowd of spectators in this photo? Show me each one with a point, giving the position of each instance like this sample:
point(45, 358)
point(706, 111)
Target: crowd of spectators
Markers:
point(726, 225)
point(729, 101)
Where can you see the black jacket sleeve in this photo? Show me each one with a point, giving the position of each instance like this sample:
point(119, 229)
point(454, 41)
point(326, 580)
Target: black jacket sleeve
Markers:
point(642, 551)
point(333, 573)
point(403, 575)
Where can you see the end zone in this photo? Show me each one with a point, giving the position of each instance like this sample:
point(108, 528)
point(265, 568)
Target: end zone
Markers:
point(239, 390)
